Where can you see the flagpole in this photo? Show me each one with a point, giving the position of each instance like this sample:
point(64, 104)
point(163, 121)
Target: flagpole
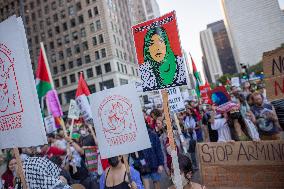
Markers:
point(46, 64)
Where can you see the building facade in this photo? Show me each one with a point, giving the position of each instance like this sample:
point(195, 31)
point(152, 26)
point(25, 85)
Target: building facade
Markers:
point(89, 36)
point(254, 27)
point(143, 10)
point(218, 57)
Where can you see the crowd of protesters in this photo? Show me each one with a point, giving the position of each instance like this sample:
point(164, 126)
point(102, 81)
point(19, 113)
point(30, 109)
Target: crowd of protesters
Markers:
point(249, 116)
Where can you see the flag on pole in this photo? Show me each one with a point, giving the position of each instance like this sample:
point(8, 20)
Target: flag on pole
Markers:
point(82, 87)
point(43, 79)
point(196, 74)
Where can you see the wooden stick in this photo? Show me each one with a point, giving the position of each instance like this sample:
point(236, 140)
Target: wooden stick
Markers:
point(71, 128)
point(20, 168)
point(182, 141)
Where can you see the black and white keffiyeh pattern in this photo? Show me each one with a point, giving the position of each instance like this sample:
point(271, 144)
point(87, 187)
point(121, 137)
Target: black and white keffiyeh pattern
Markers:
point(41, 173)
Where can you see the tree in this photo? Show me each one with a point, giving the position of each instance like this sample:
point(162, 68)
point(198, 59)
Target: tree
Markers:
point(223, 78)
point(257, 69)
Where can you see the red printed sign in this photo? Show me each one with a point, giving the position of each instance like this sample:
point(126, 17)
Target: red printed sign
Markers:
point(204, 89)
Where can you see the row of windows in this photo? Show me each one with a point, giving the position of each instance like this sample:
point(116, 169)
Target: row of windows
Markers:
point(71, 64)
point(89, 72)
point(123, 68)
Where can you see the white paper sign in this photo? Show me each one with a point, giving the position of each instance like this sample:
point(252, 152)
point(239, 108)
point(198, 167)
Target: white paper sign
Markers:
point(21, 123)
point(74, 111)
point(85, 109)
point(50, 125)
point(175, 100)
point(119, 121)
point(235, 81)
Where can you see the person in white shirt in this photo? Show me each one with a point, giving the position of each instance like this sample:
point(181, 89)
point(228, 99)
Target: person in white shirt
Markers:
point(220, 124)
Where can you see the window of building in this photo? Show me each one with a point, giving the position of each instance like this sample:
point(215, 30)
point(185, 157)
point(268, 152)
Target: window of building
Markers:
point(53, 58)
point(98, 70)
point(83, 32)
point(62, 67)
point(114, 38)
point(46, 9)
point(85, 46)
point(71, 11)
point(37, 2)
point(78, 6)
point(55, 17)
point(124, 56)
point(96, 11)
point(117, 53)
point(118, 66)
point(90, 13)
point(69, 52)
point(77, 48)
point(49, 33)
point(95, 41)
point(34, 28)
point(60, 55)
point(70, 95)
point(73, 22)
point(103, 52)
point(107, 84)
point(137, 73)
point(107, 67)
point(27, 18)
point(121, 55)
point(92, 27)
point(56, 83)
point(123, 81)
point(122, 68)
point(64, 26)
point(72, 78)
point(75, 35)
point(87, 59)
point(36, 39)
point(133, 73)
point(64, 81)
point(53, 5)
point(125, 68)
point(62, 14)
point(97, 55)
point(98, 25)
point(81, 19)
point(79, 62)
point(55, 71)
point(57, 29)
point(48, 22)
point(41, 25)
point(70, 65)
point(90, 73)
point(51, 45)
point(101, 38)
point(59, 42)
point(92, 88)
point(66, 39)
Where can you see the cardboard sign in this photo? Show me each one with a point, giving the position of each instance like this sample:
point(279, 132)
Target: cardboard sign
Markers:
point(175, 100)
point(21, 123)
point(85, 108)
point(242, 164)
point(74, 111)
point(273, 67)
point(119, 122)
point(50, 125)
point(219, 95)
point(91, 154)
point(235, 81)
point(204, 89)
point(159, 54)
point(53, 103)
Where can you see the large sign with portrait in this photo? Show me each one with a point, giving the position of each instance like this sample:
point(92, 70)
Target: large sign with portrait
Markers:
point(21, 123)
point(159, 53)
point(119, 122)
point(242, 164)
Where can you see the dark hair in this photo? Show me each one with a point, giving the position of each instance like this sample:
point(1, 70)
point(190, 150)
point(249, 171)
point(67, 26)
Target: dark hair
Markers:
point(8, 162)
point(232, 128)
point(248, 97)
point(184, 164)
point(56, 160)
point(156, 112)
point(51, 135)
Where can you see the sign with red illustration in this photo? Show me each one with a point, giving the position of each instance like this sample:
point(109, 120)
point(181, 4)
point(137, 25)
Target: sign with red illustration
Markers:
point(21, 122)
point(159, 53)
point(219, 95)
point(204, 89)
point(120, 127)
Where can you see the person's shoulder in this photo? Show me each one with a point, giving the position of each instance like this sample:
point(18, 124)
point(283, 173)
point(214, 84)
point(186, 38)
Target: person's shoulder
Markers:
point(197, 186)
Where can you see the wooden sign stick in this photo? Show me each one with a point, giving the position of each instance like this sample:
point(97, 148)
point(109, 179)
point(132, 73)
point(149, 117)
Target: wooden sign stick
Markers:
point(20, 168)
point(71, 128)
point(182, 141)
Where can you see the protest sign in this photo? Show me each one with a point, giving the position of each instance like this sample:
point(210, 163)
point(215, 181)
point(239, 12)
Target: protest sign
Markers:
point(53, 103)
point(273, 67)
point(50, 125)
point(21, 123)
point(175, 100)
point(242, 164)
point(235, 81)
point(91, 154)
point(204, 89)
point(219, 95)
point(85, 108)
point(119, 122)
point(159, 54)
point(74, 112)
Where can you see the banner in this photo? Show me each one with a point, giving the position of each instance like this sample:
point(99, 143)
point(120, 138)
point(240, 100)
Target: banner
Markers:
point(242, 164)
point(119, 122)
point(204, 89)
point(159, 54)
point(273, 68)
point(50, 125)
point(53, 103)
point(235, 81)
point(175, 100)
point(21, 123)
point(85, 108)
point(74, 112)
point(91, 154)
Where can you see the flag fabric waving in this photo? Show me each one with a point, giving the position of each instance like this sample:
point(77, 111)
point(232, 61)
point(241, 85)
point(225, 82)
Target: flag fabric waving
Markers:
point(82, 87)
point(197, 77)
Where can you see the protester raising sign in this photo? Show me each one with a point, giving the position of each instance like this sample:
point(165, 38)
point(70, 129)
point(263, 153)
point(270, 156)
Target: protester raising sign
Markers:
point(175, 100)
point(21, 122)
point(74, 111)
point(159, 54)
point(119, 121)
point(50, 125)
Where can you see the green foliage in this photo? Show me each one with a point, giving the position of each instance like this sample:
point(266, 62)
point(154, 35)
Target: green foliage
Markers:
point(223, 78)
point(257, 69)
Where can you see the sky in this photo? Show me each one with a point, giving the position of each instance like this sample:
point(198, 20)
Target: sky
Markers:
point(193, 17)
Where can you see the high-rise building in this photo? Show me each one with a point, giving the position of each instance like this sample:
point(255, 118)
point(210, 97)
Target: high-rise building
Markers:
point(254, 27)
point(89, 36)
point(218, 57)
point(143, 10)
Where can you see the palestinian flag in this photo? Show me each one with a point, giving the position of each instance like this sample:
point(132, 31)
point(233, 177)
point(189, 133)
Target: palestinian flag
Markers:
point(197, 77)
point(82, 87)
point(43, 79)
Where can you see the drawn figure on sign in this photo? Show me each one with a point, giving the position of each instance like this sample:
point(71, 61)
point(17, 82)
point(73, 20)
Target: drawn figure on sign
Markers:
point(117, 120)
point(10, 102)
point(161, 68)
